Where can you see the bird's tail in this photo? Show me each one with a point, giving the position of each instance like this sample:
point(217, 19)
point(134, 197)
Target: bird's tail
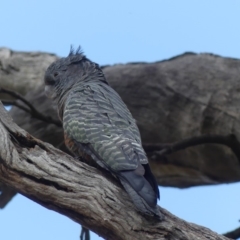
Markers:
point(141, 193)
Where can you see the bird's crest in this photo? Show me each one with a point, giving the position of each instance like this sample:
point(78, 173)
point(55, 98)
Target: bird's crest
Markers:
point(76, 55)
point(73, 52)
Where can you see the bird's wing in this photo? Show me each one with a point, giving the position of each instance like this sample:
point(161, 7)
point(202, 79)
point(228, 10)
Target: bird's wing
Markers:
point(97, 119)
point(97, 116)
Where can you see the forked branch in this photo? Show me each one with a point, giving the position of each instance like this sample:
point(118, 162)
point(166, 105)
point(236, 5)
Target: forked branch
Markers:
point(29, 108)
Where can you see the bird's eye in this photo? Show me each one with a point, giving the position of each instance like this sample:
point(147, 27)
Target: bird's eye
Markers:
point(55, 74)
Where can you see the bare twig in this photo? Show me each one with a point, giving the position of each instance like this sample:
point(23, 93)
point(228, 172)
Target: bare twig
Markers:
point(15, 103)
point(153, 147)
point(235, 234)
point(18, 96)
point(166, 149)
point(32, 110)
point(229, 140)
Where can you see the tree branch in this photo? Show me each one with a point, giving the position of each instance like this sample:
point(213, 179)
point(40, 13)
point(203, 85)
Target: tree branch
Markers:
point(32, 110)
point(168, 148)
point(235, 234)
point(85, 194)
point(6, 194)
point(15, 103)
point(178, 101)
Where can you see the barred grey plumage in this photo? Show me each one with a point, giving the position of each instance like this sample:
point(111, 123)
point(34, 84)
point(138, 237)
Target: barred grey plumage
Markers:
point(97, 123)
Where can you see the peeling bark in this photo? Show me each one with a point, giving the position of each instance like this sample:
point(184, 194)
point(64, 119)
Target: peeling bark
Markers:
point(85, 194)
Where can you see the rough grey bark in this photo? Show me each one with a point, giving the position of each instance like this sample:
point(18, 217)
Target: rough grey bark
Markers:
point(88, 196)
point(23, 71)
point(189, 95)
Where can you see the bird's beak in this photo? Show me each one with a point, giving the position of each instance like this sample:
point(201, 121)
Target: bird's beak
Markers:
point(49, 91)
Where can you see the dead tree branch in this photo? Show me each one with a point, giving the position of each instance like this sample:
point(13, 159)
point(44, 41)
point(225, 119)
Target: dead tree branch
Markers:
point(32, 110)
point(15, 103)
point(169, 148)
point(235, 234)
point(88, 196)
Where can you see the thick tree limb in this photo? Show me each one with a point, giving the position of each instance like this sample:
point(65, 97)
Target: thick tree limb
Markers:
point(23, 71)
point(235, 234)
point(189, 95)
point(88, 196)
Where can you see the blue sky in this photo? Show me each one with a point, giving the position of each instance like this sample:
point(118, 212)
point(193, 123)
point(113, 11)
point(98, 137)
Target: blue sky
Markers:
point(120, 32)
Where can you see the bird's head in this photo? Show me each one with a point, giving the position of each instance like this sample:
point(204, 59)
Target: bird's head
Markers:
point(63, 74)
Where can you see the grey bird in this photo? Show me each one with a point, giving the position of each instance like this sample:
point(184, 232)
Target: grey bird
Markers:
point(98, 125)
